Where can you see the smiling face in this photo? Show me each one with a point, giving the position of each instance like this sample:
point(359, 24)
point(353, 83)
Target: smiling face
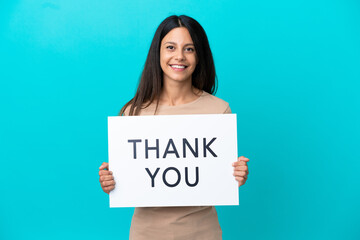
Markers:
point(177, 55)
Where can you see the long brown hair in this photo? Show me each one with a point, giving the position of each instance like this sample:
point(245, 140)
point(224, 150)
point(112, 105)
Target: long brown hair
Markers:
point(151, 80)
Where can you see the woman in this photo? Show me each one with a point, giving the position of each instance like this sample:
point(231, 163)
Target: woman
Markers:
point(178, 78)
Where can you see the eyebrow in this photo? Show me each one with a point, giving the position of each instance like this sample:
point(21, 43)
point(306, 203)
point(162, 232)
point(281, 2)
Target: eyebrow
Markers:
point(176, 44)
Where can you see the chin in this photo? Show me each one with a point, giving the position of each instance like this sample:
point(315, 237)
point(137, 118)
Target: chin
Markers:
point(178, 79)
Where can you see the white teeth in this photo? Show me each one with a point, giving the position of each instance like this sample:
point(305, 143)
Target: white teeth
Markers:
point(177, 66)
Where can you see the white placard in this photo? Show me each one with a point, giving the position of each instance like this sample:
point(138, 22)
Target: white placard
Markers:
point(173, 160)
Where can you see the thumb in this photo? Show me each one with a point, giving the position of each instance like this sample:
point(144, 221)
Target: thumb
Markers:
point(104, 165)
point(242, 158)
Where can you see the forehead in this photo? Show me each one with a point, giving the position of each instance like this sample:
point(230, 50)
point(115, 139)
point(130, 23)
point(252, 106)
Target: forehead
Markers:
point(179, 35)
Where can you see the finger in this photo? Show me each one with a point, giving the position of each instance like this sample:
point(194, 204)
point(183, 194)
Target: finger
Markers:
point(242, 158)
point(239, 179)
point(239, 173)
point(108, 189)
point(241, 163)
point(104, 165)
point(107, 183)
point(106, 178)
point(105, 172)
point(241, 168)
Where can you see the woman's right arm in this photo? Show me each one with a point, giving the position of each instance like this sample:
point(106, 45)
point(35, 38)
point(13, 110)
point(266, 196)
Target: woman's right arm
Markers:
point(106, 178)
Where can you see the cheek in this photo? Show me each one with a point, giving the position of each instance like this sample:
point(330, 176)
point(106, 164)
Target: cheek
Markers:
point(162, 60)
point(162, 54)
point(163, 66)
point(194, 60)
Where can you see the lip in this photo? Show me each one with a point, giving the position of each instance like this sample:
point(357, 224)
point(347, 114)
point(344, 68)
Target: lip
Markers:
point(178, 69)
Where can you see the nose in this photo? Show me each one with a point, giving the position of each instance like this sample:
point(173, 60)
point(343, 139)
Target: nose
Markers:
point(180, 55)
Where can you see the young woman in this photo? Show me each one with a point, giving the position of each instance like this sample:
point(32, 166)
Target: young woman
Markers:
point(178, 78)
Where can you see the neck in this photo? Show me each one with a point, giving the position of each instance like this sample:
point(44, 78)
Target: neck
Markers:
point(176, 93)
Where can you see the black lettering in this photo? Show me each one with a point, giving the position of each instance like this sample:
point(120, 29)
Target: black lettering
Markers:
point(178, 180)
point(207, 146)
point(147, 148)
point(171, 143)
point(134, 141)
point(187, 178)
point(152, 176)
point(194, 152)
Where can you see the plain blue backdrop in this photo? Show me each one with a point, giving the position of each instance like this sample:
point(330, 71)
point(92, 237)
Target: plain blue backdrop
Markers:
point(289, 69)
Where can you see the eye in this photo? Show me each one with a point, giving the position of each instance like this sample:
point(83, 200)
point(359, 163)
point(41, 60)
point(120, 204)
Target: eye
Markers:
point(189, 49)
point(170, 47)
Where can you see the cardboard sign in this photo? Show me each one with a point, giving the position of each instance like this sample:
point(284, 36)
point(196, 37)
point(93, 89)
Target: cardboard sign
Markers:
point(177, 160)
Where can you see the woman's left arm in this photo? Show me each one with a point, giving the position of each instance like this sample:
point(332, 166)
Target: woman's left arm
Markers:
point(241, 170)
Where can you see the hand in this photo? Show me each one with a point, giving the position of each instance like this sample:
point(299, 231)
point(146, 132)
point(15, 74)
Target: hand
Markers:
point(106, 178)
point(241, 170)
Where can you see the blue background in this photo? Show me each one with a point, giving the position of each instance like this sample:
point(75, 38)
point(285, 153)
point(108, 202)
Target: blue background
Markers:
point(289, 69)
